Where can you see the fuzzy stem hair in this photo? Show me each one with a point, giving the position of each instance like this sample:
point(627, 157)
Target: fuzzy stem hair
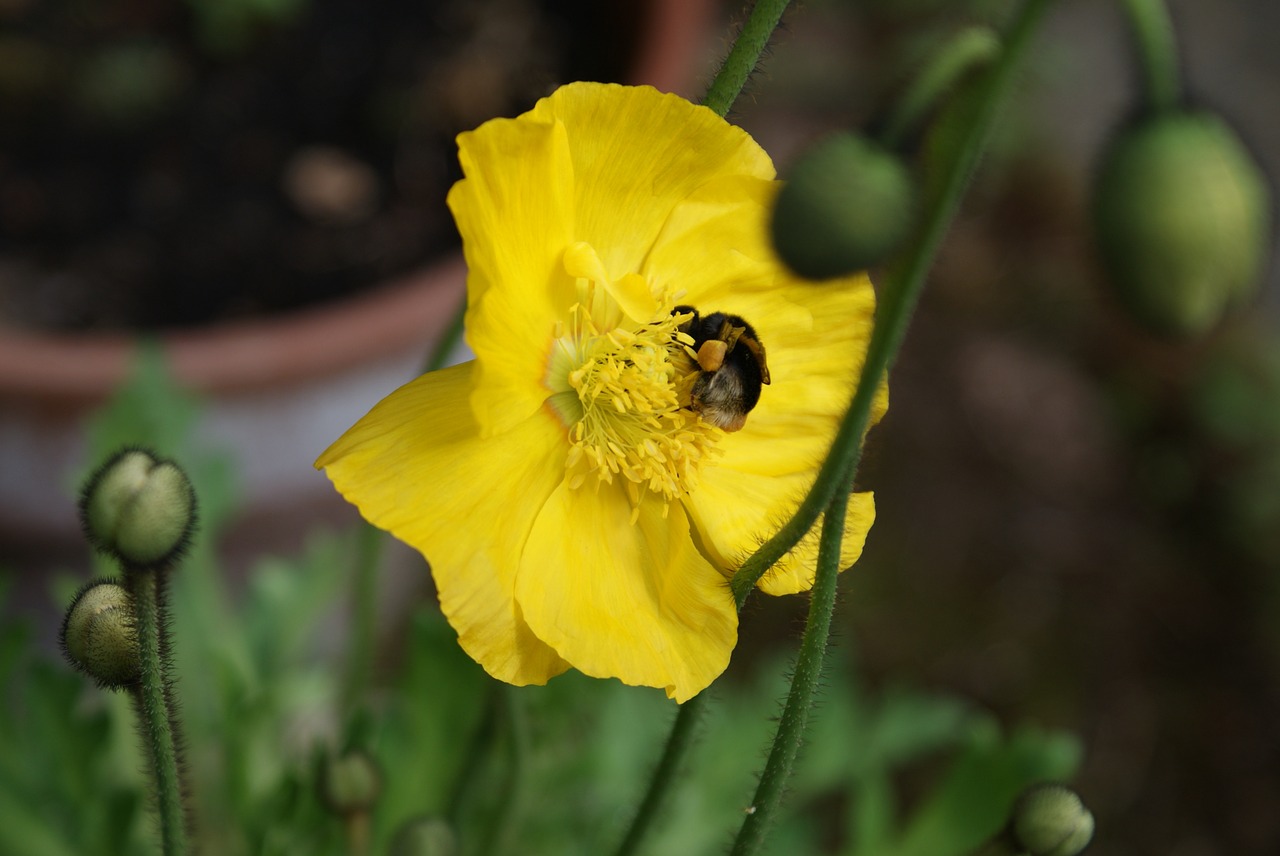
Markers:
point(745, 55)
point(154, 700)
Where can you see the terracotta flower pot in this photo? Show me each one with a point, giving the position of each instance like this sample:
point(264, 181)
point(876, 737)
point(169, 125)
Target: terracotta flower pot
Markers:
point(276, 391)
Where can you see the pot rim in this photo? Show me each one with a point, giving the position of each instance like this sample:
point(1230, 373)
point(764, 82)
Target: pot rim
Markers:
point(241, 355)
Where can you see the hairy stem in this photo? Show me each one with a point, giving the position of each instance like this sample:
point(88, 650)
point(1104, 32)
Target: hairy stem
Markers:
point(723, 92)
point(664, 776)
point(745, 55)
point(893, 313)
point(892, 317)
point(155, 706)
point(804, 683)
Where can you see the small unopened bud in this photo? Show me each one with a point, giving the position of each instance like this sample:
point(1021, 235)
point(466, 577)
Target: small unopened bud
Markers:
point(139, 508)
point(350, 783)
point(1181, 212)
point(847, 205)
point(1050, 820)
point(425, 836)
point(99, 636)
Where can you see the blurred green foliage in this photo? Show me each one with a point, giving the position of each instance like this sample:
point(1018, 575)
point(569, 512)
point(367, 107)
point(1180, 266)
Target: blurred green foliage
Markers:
point(556, 769)
point(1235, 407)
point(228, 27)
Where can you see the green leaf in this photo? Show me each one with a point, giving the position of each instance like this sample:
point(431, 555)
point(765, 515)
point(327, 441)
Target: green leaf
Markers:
point(972, 801)
point(29, 833)
point(429, 725)
point(149, 410)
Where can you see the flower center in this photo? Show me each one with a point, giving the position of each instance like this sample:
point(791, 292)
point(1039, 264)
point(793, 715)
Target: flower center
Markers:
point(623, 392)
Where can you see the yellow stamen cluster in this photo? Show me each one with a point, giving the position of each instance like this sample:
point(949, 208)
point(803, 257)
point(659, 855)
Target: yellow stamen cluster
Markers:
point(633, 389)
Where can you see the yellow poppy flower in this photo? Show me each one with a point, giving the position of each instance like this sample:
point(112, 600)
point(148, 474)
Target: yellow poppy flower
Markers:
point(575, 508)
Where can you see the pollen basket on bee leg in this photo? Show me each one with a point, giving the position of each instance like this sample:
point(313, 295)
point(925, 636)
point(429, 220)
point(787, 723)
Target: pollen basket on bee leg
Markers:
point(711, 354)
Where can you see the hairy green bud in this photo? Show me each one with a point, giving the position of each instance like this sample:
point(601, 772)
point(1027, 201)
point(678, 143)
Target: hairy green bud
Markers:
point(1050, 820)
point(139, 508)
point(350, 782)
point(846, 206)
point(99, 636)
point(1182, 216)
point(425, 836)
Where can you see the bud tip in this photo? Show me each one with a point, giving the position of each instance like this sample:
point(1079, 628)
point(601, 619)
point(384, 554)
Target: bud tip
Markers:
point(139, 508)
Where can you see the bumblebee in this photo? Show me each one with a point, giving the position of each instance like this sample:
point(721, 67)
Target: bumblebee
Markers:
point(731, 358)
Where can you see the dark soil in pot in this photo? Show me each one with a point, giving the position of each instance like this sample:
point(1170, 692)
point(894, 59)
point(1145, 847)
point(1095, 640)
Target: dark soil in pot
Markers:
point(169, 164)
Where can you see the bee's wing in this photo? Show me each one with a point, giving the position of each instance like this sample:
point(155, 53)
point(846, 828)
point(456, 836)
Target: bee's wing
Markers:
point(757, 350)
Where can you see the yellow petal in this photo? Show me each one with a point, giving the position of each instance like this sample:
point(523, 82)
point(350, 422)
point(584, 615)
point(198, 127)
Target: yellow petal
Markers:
point(635, 602)
point(416, 466)
point(631, 292)
point(636, 153)
point(514, 211)
point(598, 164)
point(714, 244)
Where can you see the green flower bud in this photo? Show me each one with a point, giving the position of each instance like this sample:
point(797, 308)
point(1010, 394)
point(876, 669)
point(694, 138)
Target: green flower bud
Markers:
point(425, 836)
point(139, 508)
point(1181, 212)
point(848, 204)
point(98, 635)
point(350, 783)
point(1050, 820)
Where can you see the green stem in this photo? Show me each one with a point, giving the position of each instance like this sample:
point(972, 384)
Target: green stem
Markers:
point(481, 740)
point(893, 314)
point(846, 452)
point(892, 319)
point(830, 489)
point(369, 547)
point(358, 825)
point(1158, 52)
point(369, 550)
point(970, 48)
point(660, 785)
point(723, 92)
point(155, 708)
point(511, 802)
point(448, 340)
point(745, 55)
point(804, 683)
